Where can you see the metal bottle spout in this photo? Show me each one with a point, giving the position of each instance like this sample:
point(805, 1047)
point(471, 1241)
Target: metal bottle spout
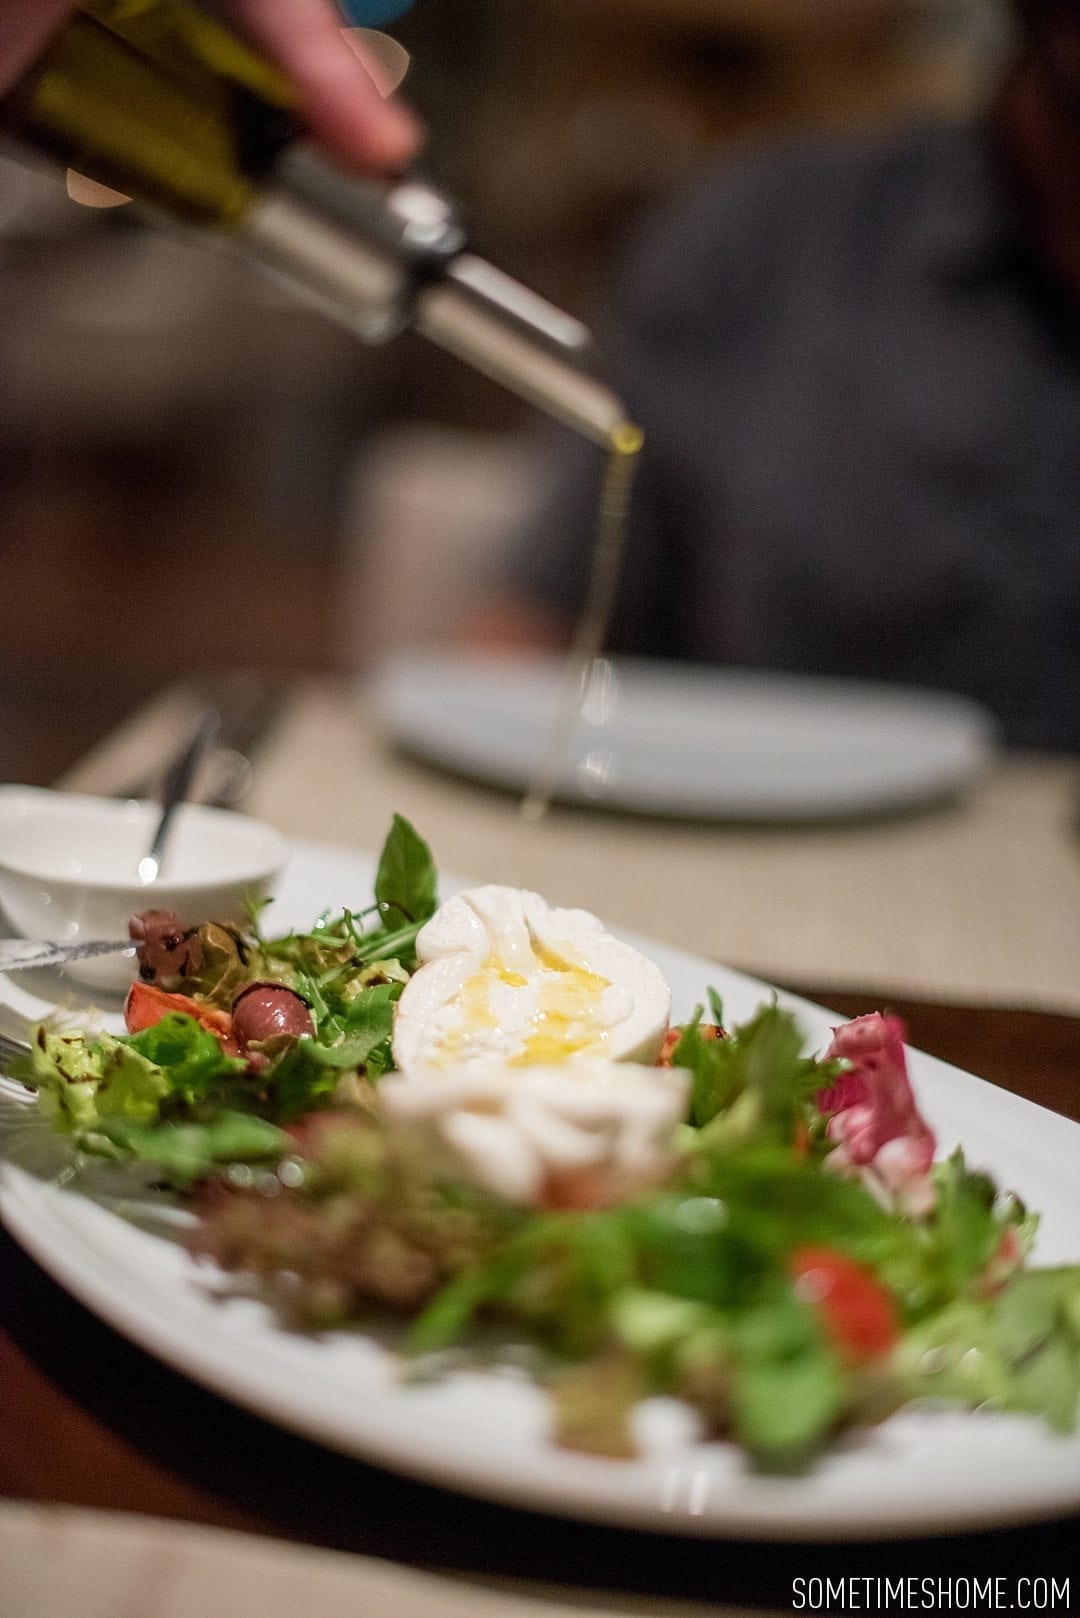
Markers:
point(383, 258)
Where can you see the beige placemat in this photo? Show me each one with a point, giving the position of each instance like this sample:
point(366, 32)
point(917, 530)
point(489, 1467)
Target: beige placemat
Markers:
point(57, 1562)
point(976, 902)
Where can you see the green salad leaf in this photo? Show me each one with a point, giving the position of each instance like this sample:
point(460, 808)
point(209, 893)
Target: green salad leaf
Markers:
point(304, 1076)
point(362, 1022)
point(788, 1389)
point(405, 894)
point(753, 1083)
point(186, 1152)
point(82, 1080)
point(406, 880)
point(1038, 1329)
point(87, 1082)
point(1018, 1349)
point(188, 1054)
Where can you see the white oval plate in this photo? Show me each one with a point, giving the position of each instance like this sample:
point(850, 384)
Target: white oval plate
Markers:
point(675, 739)
point(487, 1433)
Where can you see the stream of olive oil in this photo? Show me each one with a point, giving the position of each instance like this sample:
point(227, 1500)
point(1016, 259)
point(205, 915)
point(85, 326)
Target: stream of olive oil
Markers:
point(594, 620)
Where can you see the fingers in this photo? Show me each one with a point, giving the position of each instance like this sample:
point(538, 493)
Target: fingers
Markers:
point(339, 98)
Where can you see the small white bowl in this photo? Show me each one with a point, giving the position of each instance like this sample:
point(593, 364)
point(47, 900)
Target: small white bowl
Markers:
point(69, 869)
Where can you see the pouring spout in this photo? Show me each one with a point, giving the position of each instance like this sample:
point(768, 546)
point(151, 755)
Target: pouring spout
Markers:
point(380, 259)
point(506, 332)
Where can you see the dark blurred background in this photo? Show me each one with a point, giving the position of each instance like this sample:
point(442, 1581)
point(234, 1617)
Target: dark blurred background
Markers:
point(196, 473)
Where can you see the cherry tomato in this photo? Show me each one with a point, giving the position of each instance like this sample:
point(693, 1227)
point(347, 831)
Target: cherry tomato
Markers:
point(146, 1005)
point(857, 1312)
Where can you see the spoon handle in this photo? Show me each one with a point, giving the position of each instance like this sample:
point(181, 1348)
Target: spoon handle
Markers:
point(178, 781)
point(18, 954)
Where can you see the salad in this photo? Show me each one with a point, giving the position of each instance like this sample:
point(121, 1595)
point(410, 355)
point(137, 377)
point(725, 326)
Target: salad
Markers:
point(478, 1117)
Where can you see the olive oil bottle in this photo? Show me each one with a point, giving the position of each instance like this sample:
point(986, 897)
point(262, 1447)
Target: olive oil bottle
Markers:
point(158, 100)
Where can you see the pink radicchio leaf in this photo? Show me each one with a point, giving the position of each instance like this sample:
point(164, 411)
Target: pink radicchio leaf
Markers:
point(873, 1116)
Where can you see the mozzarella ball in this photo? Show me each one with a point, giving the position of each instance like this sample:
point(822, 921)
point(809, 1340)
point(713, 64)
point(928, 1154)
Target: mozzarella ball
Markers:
point(505, 978)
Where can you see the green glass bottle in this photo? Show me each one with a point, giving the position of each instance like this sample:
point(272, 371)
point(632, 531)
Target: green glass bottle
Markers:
point(158, 100)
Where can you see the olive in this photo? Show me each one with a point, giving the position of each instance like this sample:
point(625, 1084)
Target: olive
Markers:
point(262, 1011)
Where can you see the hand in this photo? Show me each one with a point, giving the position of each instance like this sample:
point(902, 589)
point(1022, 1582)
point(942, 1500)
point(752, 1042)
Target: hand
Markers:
point(338, 96)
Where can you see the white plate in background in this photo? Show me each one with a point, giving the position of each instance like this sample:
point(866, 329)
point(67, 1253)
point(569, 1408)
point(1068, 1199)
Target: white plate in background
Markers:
point(486, 1433)
point(683, 739)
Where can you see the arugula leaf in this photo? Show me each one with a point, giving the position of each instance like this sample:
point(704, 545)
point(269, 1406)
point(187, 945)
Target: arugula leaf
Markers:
point(965, 1226)
point(390, 946)
point(715, 1081)
point(379, 1060)
point(305, 1075)
point(761, 1061)
point(406, 880)
point(369, 1019)
point(951, 1253)
point(301, 1080)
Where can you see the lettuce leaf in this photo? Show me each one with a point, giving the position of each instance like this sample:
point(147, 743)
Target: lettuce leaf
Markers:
point(789, 1389)
point(189, 1054)
point(189, 1151)
point(85, 1081)
point(82, 1080)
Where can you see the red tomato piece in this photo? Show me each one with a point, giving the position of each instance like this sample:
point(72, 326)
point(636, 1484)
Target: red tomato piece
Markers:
point(146, 1005)
point(859, 1314)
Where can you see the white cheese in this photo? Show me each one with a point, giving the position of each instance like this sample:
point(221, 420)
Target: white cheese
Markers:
point(529, 1135)
point(505, 978)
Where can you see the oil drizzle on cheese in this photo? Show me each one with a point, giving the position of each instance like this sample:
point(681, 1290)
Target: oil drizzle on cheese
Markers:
point(566, 1019)
point(595, 618)
point(564, 1016)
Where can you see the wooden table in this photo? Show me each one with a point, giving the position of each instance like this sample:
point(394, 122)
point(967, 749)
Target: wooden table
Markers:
point(969, 913)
